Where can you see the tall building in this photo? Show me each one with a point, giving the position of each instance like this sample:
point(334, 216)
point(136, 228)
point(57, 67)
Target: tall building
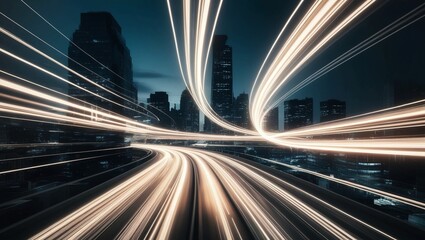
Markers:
point(298, 113)
point(159, 100)
point(189, 113)
point(271, 121)
point(105, 59)
point(160, 106)
point(332, 109)
point(175, 116)
point(222, 81)
point(241, 111)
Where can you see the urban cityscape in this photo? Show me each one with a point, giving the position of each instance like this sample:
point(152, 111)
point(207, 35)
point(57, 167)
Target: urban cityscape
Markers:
point(222, 119)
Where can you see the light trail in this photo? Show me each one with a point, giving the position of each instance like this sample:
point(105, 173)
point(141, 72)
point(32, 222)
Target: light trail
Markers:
point(228, 189)
point(112, 122)
point(287, 197)
point(316, 18)
point(399, 116)
point(395, 197)
point(69, 40)
point(65, 153)
point(393, 28)
point(31, 64)
point(272, 48)
point(55, 164)
point(234, 199)
point(335, 228)
point(105, 120)
point(196, 55)
point(37, 144)
point(105, 88)
point(291, 58)
point(58, 93)
point(296, 51)
point(102, 211)
point(63, 54)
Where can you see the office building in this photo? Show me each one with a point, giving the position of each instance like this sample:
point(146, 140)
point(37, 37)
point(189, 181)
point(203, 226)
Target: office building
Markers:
point(332, 109)
point(271, 120)
point(241, 111)
point(189, 113)
point(99, 53)
point(159, 105)
point(298, 113)
point(222, 82)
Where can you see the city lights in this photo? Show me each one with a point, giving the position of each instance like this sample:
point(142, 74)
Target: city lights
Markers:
point(131, 170)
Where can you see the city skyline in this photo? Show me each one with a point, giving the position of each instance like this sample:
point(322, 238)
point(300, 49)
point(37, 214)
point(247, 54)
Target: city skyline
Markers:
point(249, 46)
point(327, 142)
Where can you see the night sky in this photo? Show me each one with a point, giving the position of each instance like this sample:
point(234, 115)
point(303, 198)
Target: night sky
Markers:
point(364, 82)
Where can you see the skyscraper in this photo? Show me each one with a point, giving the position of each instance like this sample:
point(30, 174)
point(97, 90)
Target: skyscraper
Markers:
point(271, 120)
point(241, 111)
point(160, 106)
point(189, 113)
point(298, 113)
point(99, 53)
point(159, 100)
point(332, 109)
point(222, 81)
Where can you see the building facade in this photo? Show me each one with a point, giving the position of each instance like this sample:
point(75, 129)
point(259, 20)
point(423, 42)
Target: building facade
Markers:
point(241, 111)
point(189, 113)
point(159, 105)
point(331, 110)
point(298, 113)
point(99, 53)
point(221, 82)
point(271, 121)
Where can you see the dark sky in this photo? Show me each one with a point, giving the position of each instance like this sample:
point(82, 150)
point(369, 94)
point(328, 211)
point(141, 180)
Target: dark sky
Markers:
point(251, 25)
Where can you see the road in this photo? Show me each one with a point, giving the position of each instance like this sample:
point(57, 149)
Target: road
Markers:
point(186, 193)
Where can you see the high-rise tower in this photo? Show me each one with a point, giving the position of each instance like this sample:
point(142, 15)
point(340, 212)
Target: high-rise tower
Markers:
point(332, 109)
point(222, 81)
point(99, 53)
point(189, 113)
point(298, 113)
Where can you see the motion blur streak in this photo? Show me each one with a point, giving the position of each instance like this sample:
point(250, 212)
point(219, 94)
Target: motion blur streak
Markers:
point(231, 200)
point(393, 28)
point(69, 40)
point(314, 31)
point(197, 42)
point(290, 58)
point(91, 219)
point(295, 52)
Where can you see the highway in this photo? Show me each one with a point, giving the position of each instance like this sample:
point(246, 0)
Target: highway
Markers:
point(186, 193)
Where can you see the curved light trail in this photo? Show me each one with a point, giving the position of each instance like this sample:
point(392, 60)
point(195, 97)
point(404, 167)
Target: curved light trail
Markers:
point(224, 197)
point(191, 193)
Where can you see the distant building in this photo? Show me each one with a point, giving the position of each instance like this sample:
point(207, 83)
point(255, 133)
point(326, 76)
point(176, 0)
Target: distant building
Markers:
point(241, 111)
point(189, 113)
point(159, 100)
point(298, 113)
point(175, 115)
point(271, 121)
point(105, 60)
point(222, 82)
point(332, 109)
point(159, 105)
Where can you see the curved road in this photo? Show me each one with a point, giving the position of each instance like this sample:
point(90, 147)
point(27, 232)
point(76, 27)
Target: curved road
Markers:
point(186, 193)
